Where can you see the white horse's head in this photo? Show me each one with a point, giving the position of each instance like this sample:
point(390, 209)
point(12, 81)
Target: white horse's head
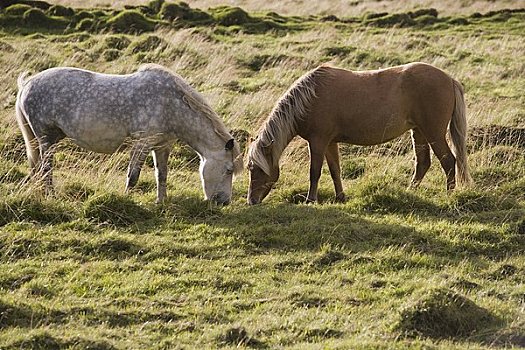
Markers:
point(217, 170)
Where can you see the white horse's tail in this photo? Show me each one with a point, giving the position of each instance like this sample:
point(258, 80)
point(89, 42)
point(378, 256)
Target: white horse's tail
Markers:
point(32, 151)
point(458, 136)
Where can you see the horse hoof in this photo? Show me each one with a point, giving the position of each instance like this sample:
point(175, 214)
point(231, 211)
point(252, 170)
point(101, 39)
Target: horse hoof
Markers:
point(310, 201)
point(340, 198)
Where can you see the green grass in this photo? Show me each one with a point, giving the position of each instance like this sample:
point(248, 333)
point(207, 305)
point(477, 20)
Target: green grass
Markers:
point(90, 267)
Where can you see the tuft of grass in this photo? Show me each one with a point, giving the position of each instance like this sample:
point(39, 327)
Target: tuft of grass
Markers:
point(77, 191)
point(86, 24)
point(229, 16)
point(115, 209)
point(327, 256)
point(373, 195)
point(353, 168)
point(31, 208)
point(16, 9)
point(60, 11)
point(472, 200)
point(155, 5)
point(116, 42)
point(391, 20)
point(130, 21)
point(44, 340)
point(182, 12)
point(444, 314)
point(114, 248)
point(37, 18)
point(147, 44)
point(10, 172)
point(238, 336)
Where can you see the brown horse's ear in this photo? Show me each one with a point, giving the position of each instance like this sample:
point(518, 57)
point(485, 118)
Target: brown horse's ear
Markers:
point(229, 145)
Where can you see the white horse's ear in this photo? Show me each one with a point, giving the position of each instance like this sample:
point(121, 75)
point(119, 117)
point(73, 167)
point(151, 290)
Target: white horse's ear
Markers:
point(269, 144)
point(229, 145)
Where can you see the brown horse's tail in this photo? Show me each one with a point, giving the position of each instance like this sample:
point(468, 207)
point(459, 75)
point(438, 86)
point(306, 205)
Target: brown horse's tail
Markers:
point(31, 143)
point(458, 136)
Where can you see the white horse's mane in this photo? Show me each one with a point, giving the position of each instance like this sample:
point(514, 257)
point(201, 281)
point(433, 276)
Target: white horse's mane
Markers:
point(281, 125)
point(197, 102)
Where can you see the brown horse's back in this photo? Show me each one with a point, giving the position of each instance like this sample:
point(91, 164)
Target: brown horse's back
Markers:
point(372, 107)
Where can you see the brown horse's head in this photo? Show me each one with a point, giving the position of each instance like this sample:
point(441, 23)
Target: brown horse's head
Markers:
point(264, 172)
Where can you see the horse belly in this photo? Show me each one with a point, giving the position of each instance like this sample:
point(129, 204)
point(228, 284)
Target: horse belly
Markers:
point(375, 129)
point(98, 136)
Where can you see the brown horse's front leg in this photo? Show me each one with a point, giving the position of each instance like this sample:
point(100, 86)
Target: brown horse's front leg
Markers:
point(332, 158)
point(316, 163)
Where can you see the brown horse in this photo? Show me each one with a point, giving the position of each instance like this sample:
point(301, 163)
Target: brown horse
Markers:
point(329, 105)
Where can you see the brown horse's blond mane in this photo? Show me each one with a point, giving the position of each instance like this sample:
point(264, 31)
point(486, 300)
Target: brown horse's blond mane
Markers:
point(197, 102)
point(281, 125)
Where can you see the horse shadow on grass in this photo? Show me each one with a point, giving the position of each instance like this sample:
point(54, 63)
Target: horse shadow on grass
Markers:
point(292, 228)
point(287, 227)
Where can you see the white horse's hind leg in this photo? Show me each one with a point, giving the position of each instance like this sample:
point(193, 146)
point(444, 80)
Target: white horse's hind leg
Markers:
point(160, 157)
point(46, 164)
point(139, 152)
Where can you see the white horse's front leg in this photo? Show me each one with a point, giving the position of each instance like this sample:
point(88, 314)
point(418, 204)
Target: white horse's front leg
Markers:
point(160, 158)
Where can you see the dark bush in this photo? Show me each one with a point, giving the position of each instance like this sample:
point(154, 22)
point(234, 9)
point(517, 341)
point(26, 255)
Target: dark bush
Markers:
point(62, 11)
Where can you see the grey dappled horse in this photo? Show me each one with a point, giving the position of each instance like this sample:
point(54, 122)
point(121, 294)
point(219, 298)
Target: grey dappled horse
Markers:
point(153, 107)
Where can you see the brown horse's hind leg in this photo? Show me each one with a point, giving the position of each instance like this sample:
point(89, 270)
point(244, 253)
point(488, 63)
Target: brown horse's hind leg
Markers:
point(422, 153)
point(447, 160)
point(332, 158)
point(317, 152)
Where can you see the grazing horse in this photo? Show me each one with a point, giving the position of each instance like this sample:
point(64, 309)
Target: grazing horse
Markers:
point(330, 105)
point(152, 107)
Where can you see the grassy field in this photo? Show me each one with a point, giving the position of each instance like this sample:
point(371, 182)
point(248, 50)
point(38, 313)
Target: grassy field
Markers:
point(90, 268)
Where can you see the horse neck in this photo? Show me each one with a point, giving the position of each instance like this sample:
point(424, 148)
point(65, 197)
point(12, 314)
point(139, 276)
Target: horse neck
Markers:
point(202, 136)
point(279, 136)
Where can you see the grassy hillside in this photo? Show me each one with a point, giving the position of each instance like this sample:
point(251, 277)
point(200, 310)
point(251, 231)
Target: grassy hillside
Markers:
point(392, 268)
